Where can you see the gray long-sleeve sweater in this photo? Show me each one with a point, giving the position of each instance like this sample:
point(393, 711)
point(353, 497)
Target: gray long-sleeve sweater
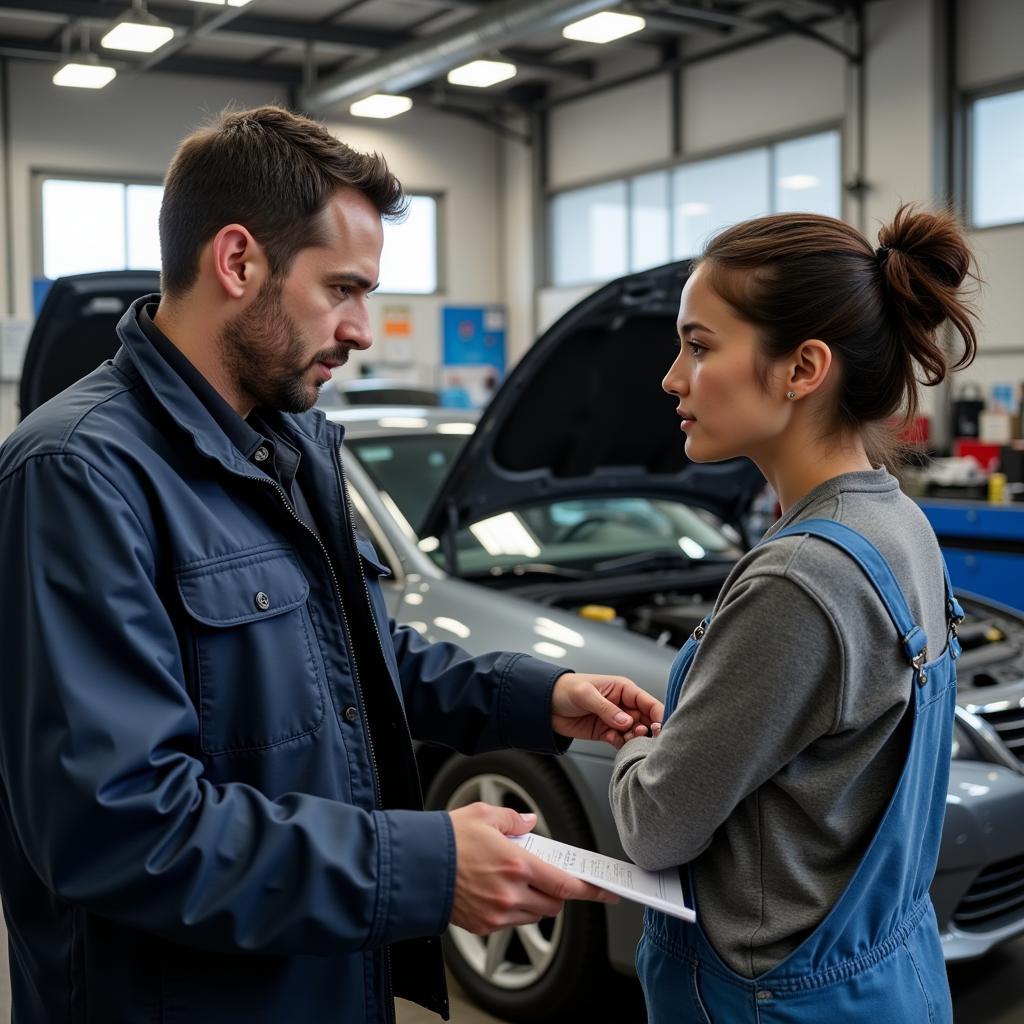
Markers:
point(774, 771)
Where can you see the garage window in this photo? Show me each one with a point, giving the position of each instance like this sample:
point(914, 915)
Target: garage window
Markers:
point(997, 160)
point(90, 225)
point(93, 225)
point(409, 262)
point(603, 231)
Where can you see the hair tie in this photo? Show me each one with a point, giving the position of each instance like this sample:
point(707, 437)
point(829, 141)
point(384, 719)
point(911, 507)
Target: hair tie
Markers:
point(882, 254)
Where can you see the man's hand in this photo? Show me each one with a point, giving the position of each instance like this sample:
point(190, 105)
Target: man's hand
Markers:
point(609, 708)
point(498, 884)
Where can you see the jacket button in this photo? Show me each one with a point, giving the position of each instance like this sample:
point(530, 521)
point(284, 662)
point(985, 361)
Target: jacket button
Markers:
point(261, 454)
point(351, 714)
point(262, 601)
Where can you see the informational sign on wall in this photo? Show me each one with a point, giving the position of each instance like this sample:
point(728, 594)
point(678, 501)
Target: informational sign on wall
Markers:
point(473, 354)
point(396, 335)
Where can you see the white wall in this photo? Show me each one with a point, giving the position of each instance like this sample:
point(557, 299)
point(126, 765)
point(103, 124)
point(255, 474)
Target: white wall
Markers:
point(794, 84)
point(992, 53)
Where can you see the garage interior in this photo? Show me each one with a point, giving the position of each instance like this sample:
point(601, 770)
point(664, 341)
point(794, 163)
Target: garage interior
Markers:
point(588, 161)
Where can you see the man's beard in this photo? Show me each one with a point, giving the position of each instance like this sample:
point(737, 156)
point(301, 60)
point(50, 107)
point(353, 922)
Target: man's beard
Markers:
point(263, 351)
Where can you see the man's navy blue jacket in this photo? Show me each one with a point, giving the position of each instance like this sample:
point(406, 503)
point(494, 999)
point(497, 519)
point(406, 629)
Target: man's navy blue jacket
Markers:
point(191, 827)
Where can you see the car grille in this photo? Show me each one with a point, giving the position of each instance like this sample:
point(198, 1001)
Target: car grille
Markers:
point(996, 897)
point(1009, 725)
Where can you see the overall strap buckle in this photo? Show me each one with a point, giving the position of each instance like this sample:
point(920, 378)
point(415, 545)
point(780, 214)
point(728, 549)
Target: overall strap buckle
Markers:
point(917, 663)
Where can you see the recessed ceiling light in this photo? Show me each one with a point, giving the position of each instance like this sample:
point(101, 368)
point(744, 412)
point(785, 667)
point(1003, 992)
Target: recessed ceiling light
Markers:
point(380, 104)
point(603, 27)
point(84, 71)
point(799, 182)
point(482, 73)
point(139, 31)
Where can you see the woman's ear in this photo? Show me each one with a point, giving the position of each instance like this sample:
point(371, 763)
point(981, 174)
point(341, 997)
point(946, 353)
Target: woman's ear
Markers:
point(808, 368)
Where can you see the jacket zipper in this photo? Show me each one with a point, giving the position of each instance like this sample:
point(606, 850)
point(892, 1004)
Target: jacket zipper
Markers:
point(389, 1001)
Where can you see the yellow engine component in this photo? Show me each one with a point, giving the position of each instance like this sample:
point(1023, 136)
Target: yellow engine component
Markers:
point(597, 612)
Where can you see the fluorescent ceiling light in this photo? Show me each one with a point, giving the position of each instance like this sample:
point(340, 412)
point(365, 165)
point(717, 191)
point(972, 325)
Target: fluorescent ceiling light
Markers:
point(482, 73)
point(380, 104)
point(799, 182)
point(603, 27)
point(139, 31)
point(83, 73)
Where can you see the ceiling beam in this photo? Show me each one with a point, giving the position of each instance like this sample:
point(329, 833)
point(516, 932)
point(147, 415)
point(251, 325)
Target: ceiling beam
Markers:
point(18, 49)
point(250, 26)
point(421, 60)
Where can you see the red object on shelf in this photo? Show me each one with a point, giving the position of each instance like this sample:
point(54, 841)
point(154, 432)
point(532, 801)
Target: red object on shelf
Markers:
point(918, 432)
point(986, 455)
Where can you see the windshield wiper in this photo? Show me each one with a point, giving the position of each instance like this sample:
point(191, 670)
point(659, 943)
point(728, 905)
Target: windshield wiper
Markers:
point(534, 569)
point(643, 560)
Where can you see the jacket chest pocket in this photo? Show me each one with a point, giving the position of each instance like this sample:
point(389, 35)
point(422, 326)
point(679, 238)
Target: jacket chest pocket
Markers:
point(257, 664)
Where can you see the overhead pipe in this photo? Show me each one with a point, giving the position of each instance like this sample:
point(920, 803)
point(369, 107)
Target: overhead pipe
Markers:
point(421, 60)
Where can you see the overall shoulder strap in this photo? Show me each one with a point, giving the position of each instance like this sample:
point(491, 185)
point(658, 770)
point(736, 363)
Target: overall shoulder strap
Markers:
point(877, 570)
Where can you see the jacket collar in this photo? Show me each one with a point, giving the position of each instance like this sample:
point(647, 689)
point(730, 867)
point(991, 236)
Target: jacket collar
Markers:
point(138, 357)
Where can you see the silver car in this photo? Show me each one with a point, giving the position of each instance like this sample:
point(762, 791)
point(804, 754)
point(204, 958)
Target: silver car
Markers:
point(568, 523)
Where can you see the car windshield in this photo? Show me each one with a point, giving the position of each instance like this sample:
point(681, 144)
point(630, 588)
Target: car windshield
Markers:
point(586, 534)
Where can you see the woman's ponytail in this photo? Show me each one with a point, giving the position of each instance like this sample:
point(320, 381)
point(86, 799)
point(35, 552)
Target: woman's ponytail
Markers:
point(797, 276)
point(925, 261)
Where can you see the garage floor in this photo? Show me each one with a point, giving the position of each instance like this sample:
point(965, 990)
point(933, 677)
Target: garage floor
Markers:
point(987, 991)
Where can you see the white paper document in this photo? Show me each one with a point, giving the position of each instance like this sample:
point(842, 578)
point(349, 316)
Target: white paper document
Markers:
point(661, 890)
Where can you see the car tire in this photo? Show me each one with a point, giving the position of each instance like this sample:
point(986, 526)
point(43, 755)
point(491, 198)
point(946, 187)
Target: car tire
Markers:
point(536, 973)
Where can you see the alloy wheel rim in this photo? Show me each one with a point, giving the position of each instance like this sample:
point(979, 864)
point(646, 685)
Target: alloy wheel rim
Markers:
point(513, 958)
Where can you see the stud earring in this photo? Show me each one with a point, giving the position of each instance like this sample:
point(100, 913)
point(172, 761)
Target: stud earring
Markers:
point(791, 395)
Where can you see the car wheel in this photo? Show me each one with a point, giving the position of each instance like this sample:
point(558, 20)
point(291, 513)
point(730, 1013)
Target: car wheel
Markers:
point(538, 972)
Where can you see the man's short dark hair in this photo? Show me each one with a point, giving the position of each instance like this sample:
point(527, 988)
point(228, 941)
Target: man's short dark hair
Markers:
point(270, 170)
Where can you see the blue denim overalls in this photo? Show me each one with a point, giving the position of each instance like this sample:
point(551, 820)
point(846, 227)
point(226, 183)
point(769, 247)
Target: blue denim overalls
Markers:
point(876, 956)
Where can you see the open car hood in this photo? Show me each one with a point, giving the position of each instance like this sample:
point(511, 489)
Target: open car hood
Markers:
point(583, 415)
point(74, 332)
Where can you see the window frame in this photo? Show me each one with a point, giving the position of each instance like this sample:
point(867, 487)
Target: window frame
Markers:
point(440, 249)
point(967, 100)
point(669, 165)
point(41, 175)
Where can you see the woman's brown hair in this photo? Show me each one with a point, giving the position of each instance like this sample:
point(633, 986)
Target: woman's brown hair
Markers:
point(796, 276)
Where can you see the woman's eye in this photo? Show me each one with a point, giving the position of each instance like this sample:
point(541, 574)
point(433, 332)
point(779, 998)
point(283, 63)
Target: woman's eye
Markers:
point(694, 348)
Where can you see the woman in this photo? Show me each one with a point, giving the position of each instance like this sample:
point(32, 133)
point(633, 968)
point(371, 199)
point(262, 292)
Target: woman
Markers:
point(802, 773)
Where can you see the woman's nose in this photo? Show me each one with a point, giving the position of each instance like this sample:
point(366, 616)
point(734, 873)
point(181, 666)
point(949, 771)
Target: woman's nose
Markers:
point(673, 383)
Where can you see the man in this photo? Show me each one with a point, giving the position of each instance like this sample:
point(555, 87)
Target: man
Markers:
point(211, 809)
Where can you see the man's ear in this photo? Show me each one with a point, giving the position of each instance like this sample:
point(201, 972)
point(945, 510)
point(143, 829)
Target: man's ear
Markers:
point(809, 366)
point(239, 262)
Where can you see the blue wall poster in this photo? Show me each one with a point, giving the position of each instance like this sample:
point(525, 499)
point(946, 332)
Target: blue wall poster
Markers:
point(473, 354)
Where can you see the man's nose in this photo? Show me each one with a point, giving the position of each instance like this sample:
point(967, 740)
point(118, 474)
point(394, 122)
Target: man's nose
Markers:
point(355, 329)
